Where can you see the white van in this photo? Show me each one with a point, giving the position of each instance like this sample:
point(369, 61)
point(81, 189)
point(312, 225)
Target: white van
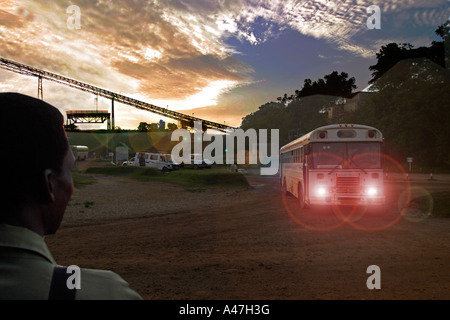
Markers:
point(155, 160)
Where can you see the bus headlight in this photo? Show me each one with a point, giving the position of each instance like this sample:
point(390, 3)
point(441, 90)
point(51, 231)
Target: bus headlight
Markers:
point(321, 191)
point(371, 191)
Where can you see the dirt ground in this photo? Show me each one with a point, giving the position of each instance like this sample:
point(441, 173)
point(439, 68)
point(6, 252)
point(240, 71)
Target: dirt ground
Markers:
point(171, 242)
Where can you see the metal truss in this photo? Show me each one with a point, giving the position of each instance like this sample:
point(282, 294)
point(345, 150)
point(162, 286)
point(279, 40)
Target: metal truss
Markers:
point(185, 120)
point(87, 116)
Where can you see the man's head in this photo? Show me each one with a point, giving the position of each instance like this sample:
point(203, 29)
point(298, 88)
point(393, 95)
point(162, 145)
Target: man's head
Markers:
point(36, 182)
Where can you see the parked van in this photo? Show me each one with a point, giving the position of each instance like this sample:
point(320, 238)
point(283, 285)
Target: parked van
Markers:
point(155, 160)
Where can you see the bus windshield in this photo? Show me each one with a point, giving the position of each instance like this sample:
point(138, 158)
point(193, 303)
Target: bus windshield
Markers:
point(361, 155)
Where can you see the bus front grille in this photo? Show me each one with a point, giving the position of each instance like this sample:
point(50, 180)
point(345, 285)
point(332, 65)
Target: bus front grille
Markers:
point(348, 185)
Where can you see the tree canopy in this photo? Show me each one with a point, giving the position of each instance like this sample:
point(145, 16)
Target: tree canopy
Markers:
point(390, 54)
point(412, 110)
point(304, 110)
point(155, 127)
point(410, 103)
point(333, 84)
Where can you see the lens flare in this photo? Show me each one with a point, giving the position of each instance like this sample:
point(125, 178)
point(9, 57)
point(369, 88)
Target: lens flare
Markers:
point(353, 214)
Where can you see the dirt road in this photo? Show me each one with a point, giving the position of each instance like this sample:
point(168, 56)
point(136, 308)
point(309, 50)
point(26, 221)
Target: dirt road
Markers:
point(169, 242)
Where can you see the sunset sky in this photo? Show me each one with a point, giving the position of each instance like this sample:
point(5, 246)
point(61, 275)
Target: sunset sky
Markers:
point(217, 59)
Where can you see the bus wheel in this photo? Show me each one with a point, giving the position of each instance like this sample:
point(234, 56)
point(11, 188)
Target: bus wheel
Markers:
point(301, 199)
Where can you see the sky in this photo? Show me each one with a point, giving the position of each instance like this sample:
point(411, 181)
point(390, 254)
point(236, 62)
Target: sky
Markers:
point(218, 60)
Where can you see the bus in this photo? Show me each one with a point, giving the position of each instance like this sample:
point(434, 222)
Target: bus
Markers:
point(80, 152)
point(334, 165)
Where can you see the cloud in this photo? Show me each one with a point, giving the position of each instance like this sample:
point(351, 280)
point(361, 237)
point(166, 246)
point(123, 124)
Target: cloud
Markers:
point(342, 23)
point(174, 51)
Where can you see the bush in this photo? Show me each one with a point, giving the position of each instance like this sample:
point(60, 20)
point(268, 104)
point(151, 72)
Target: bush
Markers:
point(189, 178)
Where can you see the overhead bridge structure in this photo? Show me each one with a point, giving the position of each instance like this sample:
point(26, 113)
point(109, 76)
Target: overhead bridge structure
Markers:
point(185, 120)
point(88, 116)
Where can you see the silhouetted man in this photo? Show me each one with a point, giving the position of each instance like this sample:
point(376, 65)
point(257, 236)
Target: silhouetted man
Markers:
point(36, 185)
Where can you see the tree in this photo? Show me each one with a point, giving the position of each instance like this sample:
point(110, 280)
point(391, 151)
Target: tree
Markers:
point(303, 111)
point(143, 127)
point(149, 127)
point(390, 54)
point(411, 102)
point(172, 126)
point(154, 127)
point(412, 110)
point(443, 30)
point(332, 84)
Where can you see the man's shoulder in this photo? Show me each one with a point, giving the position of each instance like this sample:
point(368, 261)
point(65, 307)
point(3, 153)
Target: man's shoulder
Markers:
point(104, 285)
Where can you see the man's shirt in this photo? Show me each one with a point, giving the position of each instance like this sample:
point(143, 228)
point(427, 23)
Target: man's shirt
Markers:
point(26, 270)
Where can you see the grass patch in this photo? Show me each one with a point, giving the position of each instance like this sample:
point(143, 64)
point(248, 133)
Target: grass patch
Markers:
point(194, 180)
point(439, 203)
point(206, 178)
point(88, 204)
point(123, 171)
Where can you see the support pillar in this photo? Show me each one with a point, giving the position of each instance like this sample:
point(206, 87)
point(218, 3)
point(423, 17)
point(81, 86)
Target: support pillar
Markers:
point(40, 89)
point(113, 124)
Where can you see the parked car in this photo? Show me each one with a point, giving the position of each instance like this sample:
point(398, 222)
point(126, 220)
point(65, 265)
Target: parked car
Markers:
point(198, 162)
point(130, 162)
point(168, 158)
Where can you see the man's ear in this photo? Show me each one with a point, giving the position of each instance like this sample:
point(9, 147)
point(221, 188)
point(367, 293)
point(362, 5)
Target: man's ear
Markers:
point(49, 185)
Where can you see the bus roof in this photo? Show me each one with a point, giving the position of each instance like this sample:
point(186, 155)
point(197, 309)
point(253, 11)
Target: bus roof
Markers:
point(337, 133)
point(79, 147)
